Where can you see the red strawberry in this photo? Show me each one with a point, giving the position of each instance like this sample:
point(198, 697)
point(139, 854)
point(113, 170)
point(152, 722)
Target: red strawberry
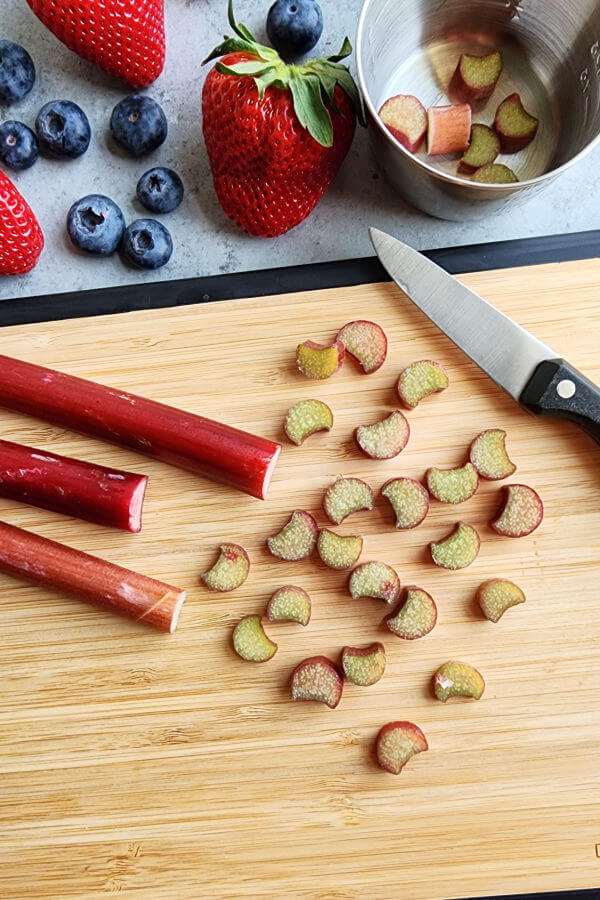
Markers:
point(21, 238)
point(125, 38)
point(276, 134)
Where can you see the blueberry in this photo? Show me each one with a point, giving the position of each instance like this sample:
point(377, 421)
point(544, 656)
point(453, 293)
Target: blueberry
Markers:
point(96, 224)
point(294, 26)
point(17, 72)
point(138, 124)
point(160, 190)
point(63, 130)
point(18, 145)
point(147, 244)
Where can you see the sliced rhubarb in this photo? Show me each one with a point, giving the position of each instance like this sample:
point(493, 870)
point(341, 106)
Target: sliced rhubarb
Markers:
point(521, 511)
point(317, 679)
point(396, 743)
point(483, 149)
point(289, 604)
point(458, 550)
point(453, 485)
point(488, 455)
point(250, 641)
point(419, 380)
point(405, 117)
point(305, 418)
point(200, 445)
point(72, 487)
point(297, 538)
point(495, 173)
point(448, 129)
point(415, 616)
point(515, 127)
point(457, 679)
point(375, 580)
point(496, 596)
point(41, 561)
point(366, 343)
point(364, 665)
point(230, 570)
point(320, 360)
point(339, 551)
point(384, 439)
point(346, 496)
point(409, 500)
point(476, 76)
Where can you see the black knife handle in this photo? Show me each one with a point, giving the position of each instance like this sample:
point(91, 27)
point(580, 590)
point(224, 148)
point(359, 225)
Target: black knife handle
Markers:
point(557, 389)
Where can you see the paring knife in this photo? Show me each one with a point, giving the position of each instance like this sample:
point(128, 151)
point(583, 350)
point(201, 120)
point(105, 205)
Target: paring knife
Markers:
point(525, 368)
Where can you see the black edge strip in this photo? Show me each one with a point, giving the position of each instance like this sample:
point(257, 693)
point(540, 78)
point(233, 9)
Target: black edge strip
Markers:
point(317, 276)
point(582, 894)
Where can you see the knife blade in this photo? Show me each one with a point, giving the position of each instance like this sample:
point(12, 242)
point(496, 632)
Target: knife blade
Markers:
point(518, 362)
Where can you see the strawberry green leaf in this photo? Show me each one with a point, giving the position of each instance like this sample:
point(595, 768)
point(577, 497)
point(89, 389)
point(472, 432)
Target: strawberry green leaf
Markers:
point(310, 109)
point(344, 51)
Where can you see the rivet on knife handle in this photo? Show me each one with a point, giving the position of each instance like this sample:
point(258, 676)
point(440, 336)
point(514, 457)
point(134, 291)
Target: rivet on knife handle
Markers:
point(557, 389)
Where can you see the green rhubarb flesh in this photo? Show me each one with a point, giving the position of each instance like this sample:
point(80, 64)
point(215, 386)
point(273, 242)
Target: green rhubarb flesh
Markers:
point(457, 679)
point(384, 439)
point(366, 343)
point(478, 75)
point(339, 551)
point(364, 665)
point(319, 361)
point(498, 595)
point(230, 570)
point(297, 538)
point(409, 500)
point(453, 485)
point(419, 380)
point(415, 616)
point(495, 173)
point(305, 418)
point(483, 148)
point(488, 455)
point(375, 580)
point(250, 641)
point(289, 604)
point(458, 550)
point(346, 496)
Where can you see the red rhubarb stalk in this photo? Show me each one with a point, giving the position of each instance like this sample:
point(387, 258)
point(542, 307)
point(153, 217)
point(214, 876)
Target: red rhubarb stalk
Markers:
point(71, 486)
point(53, 565)
point(219, 452)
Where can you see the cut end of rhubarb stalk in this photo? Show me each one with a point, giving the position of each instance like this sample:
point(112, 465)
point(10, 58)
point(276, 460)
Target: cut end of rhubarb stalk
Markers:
point(448, 129)
point(337, 551)
point(364, 665)
point(520, 512)
point(495, 173)
point(375, 580)
point(484, 147)
point(289, 604)
point(515, 127)
point(384, 439)
point(317, 679)
point(419, 380)
point(457, 679)
point(230, 570)
point(250, 641)
point(488, 455)
point(415, 616)
point(453, 485)
point(305, 418)
point(297, 538)
point(476, 76)
point(396, 743)
point(366, 343)
point(458, 550)
point(498, 595)
point(405, 117)
point(409, 500)
point(346, 496)
point(320, 360)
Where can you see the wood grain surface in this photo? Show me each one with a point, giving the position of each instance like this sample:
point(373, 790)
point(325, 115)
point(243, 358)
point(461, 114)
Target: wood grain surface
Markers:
point(162, 767)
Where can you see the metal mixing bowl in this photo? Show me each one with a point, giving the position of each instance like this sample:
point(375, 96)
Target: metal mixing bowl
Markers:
point(551, 53)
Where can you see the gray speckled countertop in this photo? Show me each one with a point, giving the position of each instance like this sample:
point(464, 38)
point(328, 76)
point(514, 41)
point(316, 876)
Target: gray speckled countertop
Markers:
point(206, 243)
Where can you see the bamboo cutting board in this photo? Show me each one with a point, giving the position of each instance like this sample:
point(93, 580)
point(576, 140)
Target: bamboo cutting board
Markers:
point(162, 767)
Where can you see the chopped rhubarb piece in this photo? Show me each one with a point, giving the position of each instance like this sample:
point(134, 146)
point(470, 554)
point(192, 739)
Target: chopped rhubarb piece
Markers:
point(396, 743)
point(484, 147)
point(250, 641)
point(366, 343)
point(520, 512)
point(230, 570)
point(415, 616)
point(419, 380)
point(448, 129)
point(375, 580)
point(71, 486)
point(495, 173)
point(364, 665)
point(320, 360)
point(297, 538)
point(208, 448)
point(316, 678)
point(405, 117)
point(453, 485)
point(496, 596)
point(409, 500)
point(476, 76)
point(305, 418)
point(339, 551)
point(346, 496)
point(457, 679)
point(515, 127)
point(41, 561)
point(458, 550)
point(384, 439)
point(289, 604)
point(488, 455)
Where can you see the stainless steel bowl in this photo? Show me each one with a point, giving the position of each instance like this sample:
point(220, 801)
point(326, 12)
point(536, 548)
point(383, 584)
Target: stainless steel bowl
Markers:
point(551, 52)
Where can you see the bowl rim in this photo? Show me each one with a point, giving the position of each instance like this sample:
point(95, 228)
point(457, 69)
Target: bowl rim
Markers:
point(432, 170)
